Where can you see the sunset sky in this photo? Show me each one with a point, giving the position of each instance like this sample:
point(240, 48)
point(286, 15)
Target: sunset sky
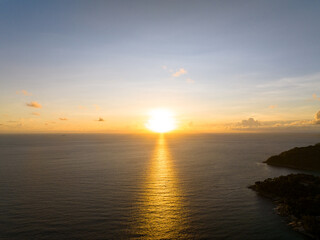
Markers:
point(103, 66)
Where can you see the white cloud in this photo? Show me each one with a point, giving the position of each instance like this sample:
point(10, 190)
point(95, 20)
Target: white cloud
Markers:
point(24, 92)
point(250, 123)
point(300, 81)
point(34, 104)
point(290, 88)
point(97, 107)
point(181, 71)
point(317, 118)
point(315, 97)
point(189, 80)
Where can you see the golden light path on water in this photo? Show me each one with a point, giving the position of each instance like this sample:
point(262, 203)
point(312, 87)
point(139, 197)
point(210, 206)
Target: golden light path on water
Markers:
point(161, 210)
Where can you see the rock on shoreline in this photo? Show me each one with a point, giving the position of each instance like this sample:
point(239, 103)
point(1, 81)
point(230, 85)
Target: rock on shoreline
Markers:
point(297, 197)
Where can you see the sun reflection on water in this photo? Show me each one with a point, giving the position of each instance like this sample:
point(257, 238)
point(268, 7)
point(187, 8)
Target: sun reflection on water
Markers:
point(161, 210)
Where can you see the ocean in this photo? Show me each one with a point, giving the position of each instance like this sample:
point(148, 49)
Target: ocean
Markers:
point(171, 186)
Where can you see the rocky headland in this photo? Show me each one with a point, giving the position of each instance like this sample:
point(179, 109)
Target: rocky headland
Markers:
point(297, 196)
point(305, 158)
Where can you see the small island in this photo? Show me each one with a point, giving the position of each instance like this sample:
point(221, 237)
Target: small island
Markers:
point(304, 158)
point(298, 198)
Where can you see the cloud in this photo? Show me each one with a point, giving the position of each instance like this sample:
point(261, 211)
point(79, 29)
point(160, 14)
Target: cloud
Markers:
point(164, 67)
point(49, 123)
point(179, 73)
point(250, 123)
point(63, 119)
point(34, 104)
point(81, 107)
point(97, 107)
point(254, 125)
point(293, 82)
point(100, 119)
point(317, 118)
point(36, 113)
point(24, 92)
point(17, 123)
point(189, 80)
point(273, 106)
point(299, 123)
point(315, 97)
point(284, 125)
point(289, 88)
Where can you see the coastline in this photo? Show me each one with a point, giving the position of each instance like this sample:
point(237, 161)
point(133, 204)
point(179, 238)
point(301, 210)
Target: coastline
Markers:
point(290, 166)
point(296, 196)
point(301, 158)
point(281, 209)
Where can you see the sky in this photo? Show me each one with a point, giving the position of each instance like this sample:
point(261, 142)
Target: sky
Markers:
point(102, 66)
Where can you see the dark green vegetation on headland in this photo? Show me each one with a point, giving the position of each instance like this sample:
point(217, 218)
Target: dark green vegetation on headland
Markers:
point(306, 158)
point(297, 197)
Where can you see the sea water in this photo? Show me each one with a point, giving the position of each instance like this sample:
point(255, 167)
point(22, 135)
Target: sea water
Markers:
point(87, 186)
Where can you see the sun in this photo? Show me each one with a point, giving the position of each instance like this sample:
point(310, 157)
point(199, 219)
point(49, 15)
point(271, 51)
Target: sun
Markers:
point(161, 121)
